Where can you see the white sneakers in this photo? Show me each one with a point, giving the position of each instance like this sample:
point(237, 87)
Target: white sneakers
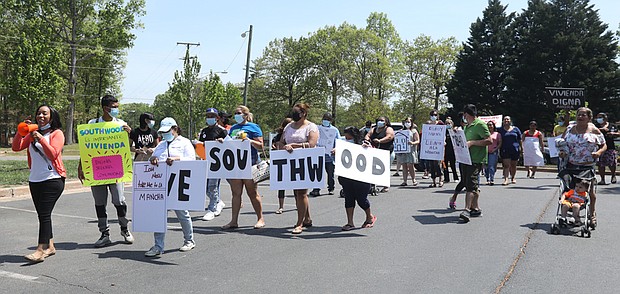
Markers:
point(210, 215)
point(187, 246)
point(127, 236)
point(154, 251)
point(218, 207)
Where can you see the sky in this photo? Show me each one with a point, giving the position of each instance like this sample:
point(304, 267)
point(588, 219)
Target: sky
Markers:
point(218, 26)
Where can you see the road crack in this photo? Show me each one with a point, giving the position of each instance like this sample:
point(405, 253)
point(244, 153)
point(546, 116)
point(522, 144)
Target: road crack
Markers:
point(526, 241)
point(72, 285)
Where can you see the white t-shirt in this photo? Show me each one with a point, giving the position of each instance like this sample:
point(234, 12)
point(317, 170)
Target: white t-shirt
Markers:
point(292, 135)
point(100, 119)
point(180, 146)
point(41, 169)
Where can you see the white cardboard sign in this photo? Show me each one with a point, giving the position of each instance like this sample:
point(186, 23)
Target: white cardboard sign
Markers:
point(149, 197)
point(461, 151)
point(229, 160)
point(327, 136)
point(497, 119)
point(186, 185)
point(553, 151)
point(304, 168)
point(370, 165)
point(532, 156)
point(433, 141)
point(401, 141)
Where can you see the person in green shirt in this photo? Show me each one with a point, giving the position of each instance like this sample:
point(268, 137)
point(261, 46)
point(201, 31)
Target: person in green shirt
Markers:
point(478, 138)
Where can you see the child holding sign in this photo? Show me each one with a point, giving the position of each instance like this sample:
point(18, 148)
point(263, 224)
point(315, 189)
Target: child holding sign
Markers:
point(173, 147)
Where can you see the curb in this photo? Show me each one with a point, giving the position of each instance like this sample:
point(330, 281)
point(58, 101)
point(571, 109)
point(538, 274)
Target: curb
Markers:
point(20, 192)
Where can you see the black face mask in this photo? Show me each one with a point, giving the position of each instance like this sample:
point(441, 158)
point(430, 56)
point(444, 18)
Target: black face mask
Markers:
point(296, 116)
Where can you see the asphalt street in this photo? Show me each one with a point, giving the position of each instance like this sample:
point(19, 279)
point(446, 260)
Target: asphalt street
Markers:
point(416, 246)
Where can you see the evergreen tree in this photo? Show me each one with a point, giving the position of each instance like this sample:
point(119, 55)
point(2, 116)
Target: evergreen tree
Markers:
point(480, 72)
point(561, 43)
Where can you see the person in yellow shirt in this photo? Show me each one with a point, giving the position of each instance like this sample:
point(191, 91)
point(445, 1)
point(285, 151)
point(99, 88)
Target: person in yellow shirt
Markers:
point(563, 122)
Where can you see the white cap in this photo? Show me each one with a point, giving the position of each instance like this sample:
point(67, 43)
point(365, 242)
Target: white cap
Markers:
point(166, 124)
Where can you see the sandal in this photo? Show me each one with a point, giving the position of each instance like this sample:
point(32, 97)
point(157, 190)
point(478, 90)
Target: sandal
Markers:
point(348, 227)
point(414, 183)
point(32, 258)
point(452, 205)
point(440, 184)
point(279, 211)
point(229, 227)
point(613, 180)
point(297, 230)
point(370, 224)
point(307, 225)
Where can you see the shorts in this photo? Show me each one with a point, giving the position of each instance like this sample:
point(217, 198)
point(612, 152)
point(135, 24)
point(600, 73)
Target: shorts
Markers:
point(471, 175)
point(406, 158)
point(608, 158)
point(510, 154)
point(570, 204)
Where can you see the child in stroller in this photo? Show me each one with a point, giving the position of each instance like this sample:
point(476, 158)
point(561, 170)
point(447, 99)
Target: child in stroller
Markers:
point(574, 187)
point(574, 198)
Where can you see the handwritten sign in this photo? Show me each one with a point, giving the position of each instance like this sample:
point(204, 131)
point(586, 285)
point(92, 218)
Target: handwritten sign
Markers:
point(229, 160)
point(553, 150)
point(186, 185)
point(104, 153)
point(433, 141)
point(327, 138)
point(300, 169)
point(532, 156)
point(401, 141)
point(149, 197)
point(459, 141)
point(496, 119)
point(370, 165)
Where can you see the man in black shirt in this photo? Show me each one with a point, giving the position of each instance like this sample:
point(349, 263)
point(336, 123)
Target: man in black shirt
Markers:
point(212, 132)
point(144, 139)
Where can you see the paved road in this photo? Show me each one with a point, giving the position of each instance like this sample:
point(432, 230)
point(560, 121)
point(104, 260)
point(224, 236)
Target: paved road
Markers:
point(417, 246)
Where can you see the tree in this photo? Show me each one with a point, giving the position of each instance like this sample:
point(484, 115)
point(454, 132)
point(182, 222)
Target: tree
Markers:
point(482, 64)
point(561, 43)
point(88, 28)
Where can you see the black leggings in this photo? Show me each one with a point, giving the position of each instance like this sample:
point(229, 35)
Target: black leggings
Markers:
point(44, 195)
point(355, 190)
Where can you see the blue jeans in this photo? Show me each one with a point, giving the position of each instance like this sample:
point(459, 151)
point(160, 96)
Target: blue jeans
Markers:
point(186, 225)
point(491, 167)
point(213, 192)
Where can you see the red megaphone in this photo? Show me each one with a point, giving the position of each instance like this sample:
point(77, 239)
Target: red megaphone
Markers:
point(24, 129)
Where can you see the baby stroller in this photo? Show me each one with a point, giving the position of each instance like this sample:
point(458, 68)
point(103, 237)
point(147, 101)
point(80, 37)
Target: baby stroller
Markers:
point(568, 179)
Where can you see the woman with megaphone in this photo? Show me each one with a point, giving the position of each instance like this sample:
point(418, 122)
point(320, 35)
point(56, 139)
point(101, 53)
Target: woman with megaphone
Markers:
point(44, 141)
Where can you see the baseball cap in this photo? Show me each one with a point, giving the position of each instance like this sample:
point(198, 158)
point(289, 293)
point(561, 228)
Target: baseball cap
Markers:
point(166, 124)
point(213, 110)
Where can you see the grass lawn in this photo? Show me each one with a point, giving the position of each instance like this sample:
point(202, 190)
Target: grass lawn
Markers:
point(66, 150)
point(16, 172)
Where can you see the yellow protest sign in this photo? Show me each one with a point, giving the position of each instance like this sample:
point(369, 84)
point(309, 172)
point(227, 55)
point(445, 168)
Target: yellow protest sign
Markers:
point(104, 153)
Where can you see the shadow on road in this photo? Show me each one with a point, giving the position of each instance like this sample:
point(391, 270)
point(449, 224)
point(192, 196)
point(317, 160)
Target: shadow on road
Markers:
point(433, 219)
point(135, 256)
point(546, 227)
point(543, 187)
point(314, 232)
point(73, 246)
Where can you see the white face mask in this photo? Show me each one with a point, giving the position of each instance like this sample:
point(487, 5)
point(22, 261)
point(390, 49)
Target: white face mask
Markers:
point(433, 118)
point(407, 125)
point(151, 124)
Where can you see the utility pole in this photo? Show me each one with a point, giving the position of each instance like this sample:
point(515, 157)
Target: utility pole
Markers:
point(247, 68)
point(191, 86)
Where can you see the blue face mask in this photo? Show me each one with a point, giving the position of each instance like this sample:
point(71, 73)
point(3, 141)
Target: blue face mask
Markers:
point(600, 120)
point(45, 127)
point(561, 123)
point(168, 137)
point(211, 121)
point(433, 118)
point(114, 112)
point(326, 123)
point(350, 141)
point(380, 124)
point(239, 118)
point(151, 124)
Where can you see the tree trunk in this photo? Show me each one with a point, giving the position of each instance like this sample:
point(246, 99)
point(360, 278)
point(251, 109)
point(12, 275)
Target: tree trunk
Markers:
point(72, 80)
point(334, 98)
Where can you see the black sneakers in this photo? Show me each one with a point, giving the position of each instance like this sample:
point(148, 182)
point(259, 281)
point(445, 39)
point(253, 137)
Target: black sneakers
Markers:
point(464, 216)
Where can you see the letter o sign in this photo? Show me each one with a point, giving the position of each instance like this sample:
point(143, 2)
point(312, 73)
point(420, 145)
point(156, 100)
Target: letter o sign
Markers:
point(346, 158)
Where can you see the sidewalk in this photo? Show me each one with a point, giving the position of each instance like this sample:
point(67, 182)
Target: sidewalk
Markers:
point(19, 192)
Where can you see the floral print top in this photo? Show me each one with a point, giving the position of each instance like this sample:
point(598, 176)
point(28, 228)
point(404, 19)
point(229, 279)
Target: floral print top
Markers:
point(581, 146)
